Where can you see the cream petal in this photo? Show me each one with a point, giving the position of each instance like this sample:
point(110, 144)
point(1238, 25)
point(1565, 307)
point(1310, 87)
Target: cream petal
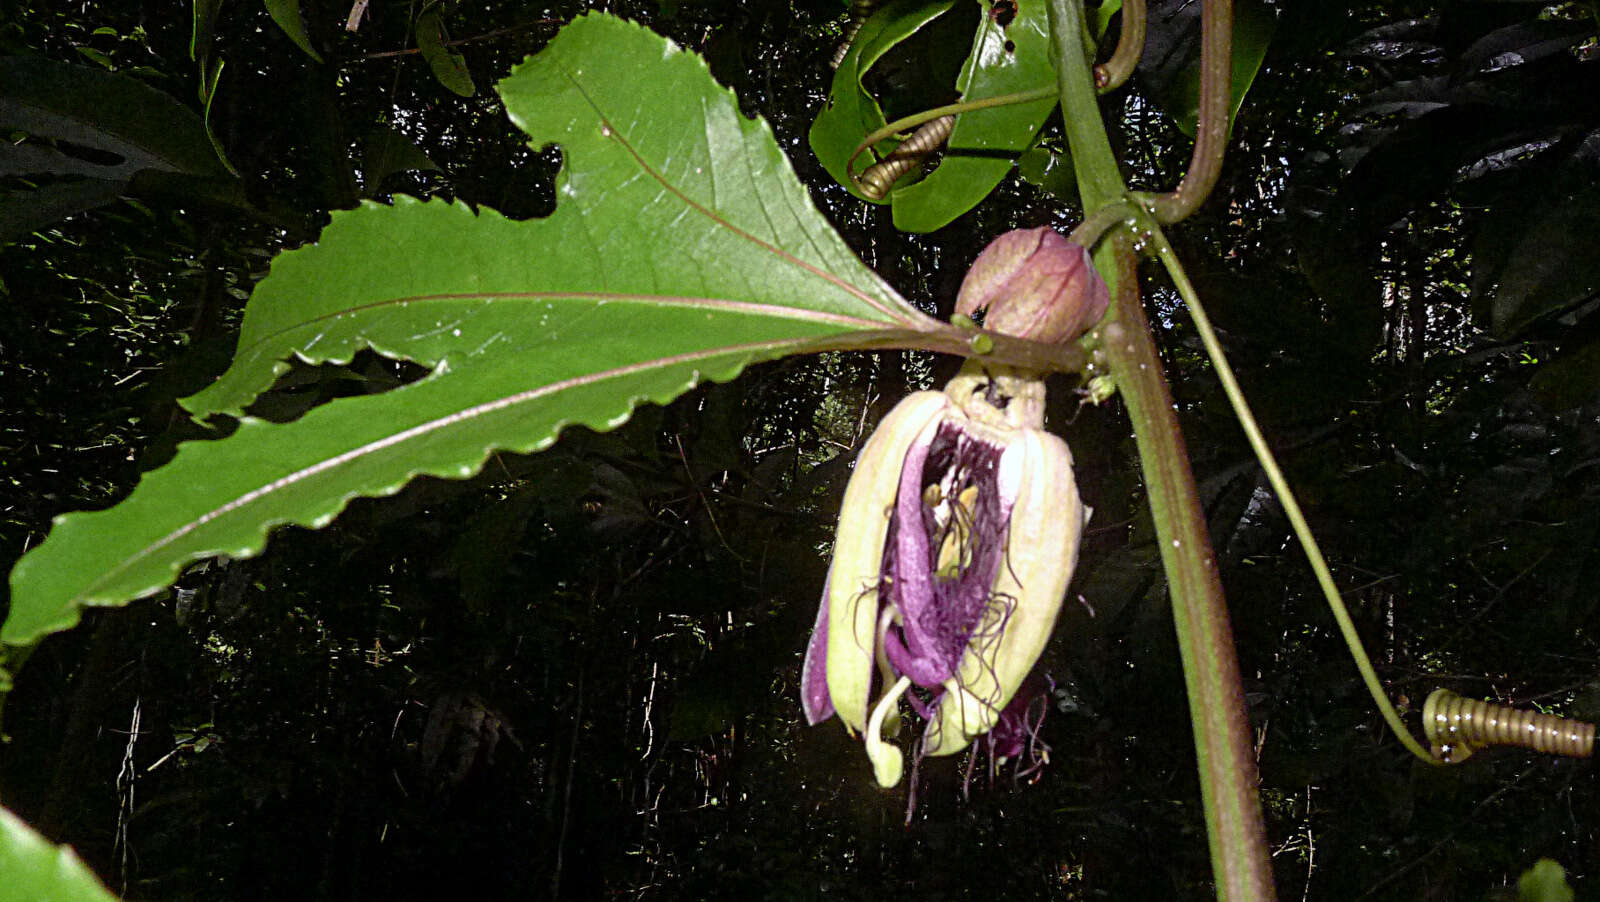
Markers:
point(1042, 550)
point(852, 598)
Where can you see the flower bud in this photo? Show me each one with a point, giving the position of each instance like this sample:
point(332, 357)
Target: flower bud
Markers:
point(957, 538)
point(1035, 284)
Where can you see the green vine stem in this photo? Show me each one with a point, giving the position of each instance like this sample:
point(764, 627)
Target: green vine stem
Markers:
point(962, 342)
point(1280, 486)
point(1111, 74)
point(1226, 757)
point(1096, 224)
point(1228, 780)
point(1211, 127)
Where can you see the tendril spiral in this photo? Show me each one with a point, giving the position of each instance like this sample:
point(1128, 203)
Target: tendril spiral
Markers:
point(878, 178)
point(1458, 726)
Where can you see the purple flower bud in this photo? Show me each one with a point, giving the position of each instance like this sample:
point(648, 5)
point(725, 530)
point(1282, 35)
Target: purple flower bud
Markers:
point(1035, 284)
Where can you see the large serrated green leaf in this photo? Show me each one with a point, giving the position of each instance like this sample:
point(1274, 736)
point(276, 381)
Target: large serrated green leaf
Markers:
point(984, 144)
point(33, 869)
point(682, 250)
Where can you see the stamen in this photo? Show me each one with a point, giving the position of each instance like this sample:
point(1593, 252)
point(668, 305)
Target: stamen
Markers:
point(887, 765)
point(957, 549)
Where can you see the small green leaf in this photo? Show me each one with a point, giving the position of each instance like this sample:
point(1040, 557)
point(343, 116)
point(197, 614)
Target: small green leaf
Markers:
point(1051, 172)
point(1546, 881)
point(448, 66)
point(682, 249)
point(1536, 260)
point(384, 152)
point(210, 79)
point(98, 57)
point(203, 29)
point(287, 14)
point(36, 870)
point(22, 212)
point(103, 111)
point(851, 113)
point(1100, 17)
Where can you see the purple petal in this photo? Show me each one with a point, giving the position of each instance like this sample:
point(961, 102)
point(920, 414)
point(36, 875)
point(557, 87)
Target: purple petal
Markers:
point(912, 578)
point(814, 698)
point(941, 615)
point(926, 671)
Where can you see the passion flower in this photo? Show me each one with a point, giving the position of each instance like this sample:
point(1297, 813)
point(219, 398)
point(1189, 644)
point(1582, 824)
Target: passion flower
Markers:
point(958, 536)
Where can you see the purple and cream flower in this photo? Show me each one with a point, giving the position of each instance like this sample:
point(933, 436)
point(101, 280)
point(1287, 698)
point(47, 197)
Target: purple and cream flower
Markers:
point(959, 532)
point(958, 535)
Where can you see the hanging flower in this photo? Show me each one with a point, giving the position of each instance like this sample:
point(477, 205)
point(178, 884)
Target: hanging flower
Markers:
point(958, 535)
point(959, 532)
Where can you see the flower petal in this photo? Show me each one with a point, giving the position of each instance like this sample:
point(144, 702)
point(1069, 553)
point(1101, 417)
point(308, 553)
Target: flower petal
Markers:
point(948, 547)
point(814, 700)
point(1042, 551)
point(912, 588)
point(852, 599)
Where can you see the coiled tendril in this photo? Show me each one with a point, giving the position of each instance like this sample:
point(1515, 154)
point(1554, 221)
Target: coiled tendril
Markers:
point(1458, 726)
point(878, 178)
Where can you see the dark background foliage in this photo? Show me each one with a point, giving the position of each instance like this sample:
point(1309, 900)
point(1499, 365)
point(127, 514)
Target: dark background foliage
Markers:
point(574, 676)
